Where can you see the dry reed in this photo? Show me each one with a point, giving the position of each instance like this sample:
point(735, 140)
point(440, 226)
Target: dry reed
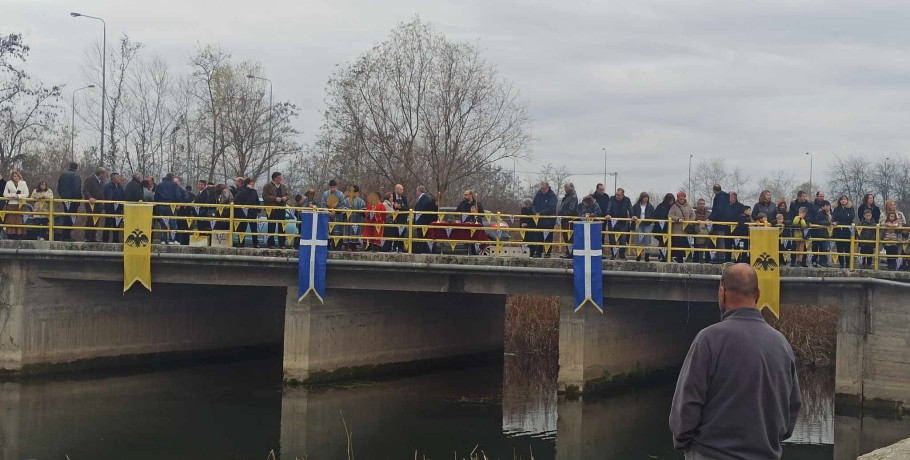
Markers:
point(532, 325)
point(811, 331)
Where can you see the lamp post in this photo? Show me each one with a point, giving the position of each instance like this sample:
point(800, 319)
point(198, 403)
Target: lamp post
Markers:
point(810, 172)
point(268, 149)
point(103, 74)
point(73, 123)
point(690, 173)
point(614, 174)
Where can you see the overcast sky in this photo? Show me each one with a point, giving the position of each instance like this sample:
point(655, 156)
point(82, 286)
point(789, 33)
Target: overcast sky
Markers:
point(759, 83)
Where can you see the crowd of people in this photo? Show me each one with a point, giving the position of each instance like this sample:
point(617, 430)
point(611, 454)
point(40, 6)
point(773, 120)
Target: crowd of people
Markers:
point(812, 231)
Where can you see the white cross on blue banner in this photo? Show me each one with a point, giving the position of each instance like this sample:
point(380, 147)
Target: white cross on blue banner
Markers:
point(588, 266)
point(313, 254)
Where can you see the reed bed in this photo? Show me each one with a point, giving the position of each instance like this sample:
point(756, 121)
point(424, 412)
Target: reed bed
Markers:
point(811, 331)
point(532, 325)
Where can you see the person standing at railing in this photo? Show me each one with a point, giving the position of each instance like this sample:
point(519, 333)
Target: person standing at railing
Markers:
point(681, 217)
point(167, 194)
point(93, 190)
point(16, 193)
point(275, 193)
point(720, 212)
point(642, 213)
point(843, 217)
point(821, 233)
point(375, 219)
point(765, 205)
point(113, 191)
point(245, 202)
point(223, 197)
point(531, 238)
point(468, 210)
point(891, 237)
point(399, 216)
point(619, 219)
point(424, 214)
point(148, 191)
point(661, 216)
point(867, 229)
point(869, 204)
point(200, 211)
point(355, 205)
point(69, 187)
point(819, 245)
point(42, 196)
point(603, 200)
point(891, 207)
point(568, 210)
point(333, 200)
point(132, 192)
point(544, 207)
point(800, 230)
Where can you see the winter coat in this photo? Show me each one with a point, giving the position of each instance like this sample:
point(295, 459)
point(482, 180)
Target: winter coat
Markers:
point(133, 191)
point(603, 201)
point(42, 203)
point(876, 212)
point(69, 185)
point(821, 225)
point(113, 192)
point(569, 205)
point(770, 210)
point(794, 209)
point(593, 210)
point(844, 216)
point(168, 192)
point(464, 208)
point(620, 209)
point(245, 198)
point(13, 191)
point(684, 212)
point(649, 212)
point(720, 208)
point(545, 205)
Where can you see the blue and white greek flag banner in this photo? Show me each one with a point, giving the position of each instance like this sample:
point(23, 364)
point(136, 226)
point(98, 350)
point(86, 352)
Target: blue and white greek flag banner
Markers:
point(588, 266)
point(313, 254)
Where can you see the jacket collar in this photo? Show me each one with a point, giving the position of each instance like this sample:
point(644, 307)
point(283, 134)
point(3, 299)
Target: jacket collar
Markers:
point(743, 314)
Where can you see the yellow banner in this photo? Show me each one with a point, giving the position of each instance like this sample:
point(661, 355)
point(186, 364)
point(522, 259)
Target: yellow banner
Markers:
point(764, 251)
point(137, 245)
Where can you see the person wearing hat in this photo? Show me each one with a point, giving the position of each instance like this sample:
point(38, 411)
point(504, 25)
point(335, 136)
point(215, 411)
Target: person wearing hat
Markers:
point(681, 215)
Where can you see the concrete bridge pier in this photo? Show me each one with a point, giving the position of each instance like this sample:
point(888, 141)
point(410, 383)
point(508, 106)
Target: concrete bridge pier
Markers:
point(364, 332)
point(630, 342)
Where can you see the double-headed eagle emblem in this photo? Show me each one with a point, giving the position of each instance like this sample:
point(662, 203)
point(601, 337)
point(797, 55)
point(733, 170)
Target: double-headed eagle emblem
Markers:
point(765, 262)
point(137, 239)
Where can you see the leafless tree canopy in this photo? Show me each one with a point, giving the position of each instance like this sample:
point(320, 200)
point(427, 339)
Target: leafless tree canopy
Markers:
point(715, 171)
point(420, 109)
point(885, 177)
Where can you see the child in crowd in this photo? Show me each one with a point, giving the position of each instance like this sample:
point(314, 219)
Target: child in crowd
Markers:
point(867, 239)
point(800, 231)
point(890, 238)
point(742, 231)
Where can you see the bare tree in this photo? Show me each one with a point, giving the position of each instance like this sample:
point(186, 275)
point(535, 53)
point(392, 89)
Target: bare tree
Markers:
point(781, 184)
point(420, 108)
point(715, 171)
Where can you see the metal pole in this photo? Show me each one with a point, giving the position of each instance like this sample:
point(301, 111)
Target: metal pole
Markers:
point(811, 192)
point(604, 149)
point(73, 124)
point(103, 76)
point(690, 174)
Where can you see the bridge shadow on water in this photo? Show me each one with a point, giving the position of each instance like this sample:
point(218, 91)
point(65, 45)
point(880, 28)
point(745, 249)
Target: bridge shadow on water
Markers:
point(239, 410)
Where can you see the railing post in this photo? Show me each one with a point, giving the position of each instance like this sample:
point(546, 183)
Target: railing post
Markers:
point(669, 240)
point(50, 220)
point(410, 231)
point(498, 232)
point(878, 246)
point(852, 265)
point(231, 224)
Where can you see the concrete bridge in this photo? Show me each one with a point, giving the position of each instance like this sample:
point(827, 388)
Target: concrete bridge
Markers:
point(61, 308)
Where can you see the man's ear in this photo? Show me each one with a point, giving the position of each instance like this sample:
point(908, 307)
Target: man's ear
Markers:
point(757, 296)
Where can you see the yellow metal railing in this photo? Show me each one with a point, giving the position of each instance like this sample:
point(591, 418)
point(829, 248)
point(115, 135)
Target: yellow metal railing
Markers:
point(500, 234)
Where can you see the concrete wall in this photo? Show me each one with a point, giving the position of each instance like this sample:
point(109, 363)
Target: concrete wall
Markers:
point(45, 323)
point(631, 339)
point(355, 331)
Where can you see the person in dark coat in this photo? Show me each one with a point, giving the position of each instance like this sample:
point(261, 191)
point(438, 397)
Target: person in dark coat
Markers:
point(642, 213)
point(603, 200)
point(738, 393)
point(661, 225)
point(424, 214)
point(167, 193)
point(531, 238)
point(469, 207)
point(69, 187)
point(400, 206)
point(869, 204)
point(244, 201)
point(619, 219)
point(200, 211)
point(843, 217)
point(568, 211)
point(92, 190)
point(275, 193)
point(544, 207)
point(133, 191)
point(823, 245)
point(766, 205)
point(821, 232)
point(720, 212)
point(113, 191)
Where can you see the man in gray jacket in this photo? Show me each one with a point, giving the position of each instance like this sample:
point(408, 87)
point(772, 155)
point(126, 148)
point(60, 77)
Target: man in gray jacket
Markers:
point(737, 396)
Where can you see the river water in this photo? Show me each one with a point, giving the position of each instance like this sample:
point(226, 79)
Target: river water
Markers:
point(239, 410)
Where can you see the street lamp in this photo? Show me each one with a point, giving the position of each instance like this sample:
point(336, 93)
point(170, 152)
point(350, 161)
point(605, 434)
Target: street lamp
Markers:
point(810, 172)
point(103, 73)
point(73, 123)
point(268, 149)
point(614, 174)
point(604, 149)
point(690, 173)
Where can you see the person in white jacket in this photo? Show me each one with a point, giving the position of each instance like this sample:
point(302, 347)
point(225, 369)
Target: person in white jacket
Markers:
point(16, 193)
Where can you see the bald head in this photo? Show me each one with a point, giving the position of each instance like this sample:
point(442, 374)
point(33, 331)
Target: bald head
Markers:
point(738, 287)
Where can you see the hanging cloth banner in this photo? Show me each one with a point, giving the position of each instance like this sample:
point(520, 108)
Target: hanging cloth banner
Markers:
point(137, 245)
point(313, 254)
point(764, 252)
point(588, 265)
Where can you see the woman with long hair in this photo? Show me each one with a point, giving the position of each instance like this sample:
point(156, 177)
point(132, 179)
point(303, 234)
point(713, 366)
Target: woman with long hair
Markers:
point(843, 217)
point(642, 213)
point(42, 196)
point(766, 205)
point(901, 233)
point(869, 204)
point(15, 192)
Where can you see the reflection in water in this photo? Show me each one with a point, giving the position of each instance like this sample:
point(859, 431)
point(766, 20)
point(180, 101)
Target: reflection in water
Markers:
point(240, 410)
